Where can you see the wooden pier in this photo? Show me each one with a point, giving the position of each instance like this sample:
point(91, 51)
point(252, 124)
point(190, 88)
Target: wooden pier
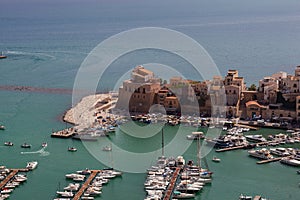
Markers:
point(230, 148)
point(8, 178)
point(172, 184)
point(86, 184)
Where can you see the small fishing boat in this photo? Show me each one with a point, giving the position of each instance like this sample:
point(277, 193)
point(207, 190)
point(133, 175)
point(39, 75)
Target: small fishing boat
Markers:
point(25, 145)
point(215, 159)
point(107, 148)
point(8, 144)
point(44, 144)
point(73, 149)
point(2, 56)
point(244, 197)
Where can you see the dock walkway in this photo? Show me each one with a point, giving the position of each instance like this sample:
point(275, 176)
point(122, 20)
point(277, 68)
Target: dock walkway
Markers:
point(246, 126)
point(85, 184)
point(10, 176)
point(271, 160)
point(172, 184)
point(230, 148)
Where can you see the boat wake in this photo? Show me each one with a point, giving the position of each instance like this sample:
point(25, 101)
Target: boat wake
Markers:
point(42, 152)
point(35, 54)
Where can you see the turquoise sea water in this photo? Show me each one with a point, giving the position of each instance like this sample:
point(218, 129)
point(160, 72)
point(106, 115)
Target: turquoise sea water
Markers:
point(47, 41)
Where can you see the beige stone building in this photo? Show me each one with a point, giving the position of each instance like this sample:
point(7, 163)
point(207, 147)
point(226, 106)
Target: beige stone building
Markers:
point(269, 87)
point(137, 94)
point(290, 86)
point(298, 108)
point(254, 109)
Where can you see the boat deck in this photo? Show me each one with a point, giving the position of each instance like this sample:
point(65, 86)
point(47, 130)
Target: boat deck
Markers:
point(66, 133)
point(9, 177)
point(86, 184)
point(172, 184)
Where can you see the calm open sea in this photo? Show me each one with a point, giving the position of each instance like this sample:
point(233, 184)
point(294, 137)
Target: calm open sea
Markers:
point(46, 42)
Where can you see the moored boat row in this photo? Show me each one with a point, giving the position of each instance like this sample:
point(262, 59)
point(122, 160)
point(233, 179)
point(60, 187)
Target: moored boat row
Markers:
point(9, 180)
point(173, 178)
point(87, 183)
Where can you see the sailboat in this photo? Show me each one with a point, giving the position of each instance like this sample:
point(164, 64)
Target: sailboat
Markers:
point(204, 172)
point(2, 56)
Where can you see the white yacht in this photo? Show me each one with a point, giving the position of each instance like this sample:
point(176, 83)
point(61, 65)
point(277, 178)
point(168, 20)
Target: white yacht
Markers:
point(31, 165)
point(255, 138)
point(195, 136)
point(263, 154)
point(65, 194)
point(290, 161)
point(182, 195)
point(72, 187)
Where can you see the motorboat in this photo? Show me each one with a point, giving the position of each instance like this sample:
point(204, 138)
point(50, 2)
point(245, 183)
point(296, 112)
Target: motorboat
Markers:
point(84, 172)
point(73, 149)
point(195, 136)
point(72, 187)
point(65, 194)
point(31, 165)
point(244, 197)
point(215, 159)
point(2, 56)
point(92, 192)
point(182, 195)
point(19, 178)
point(6, 191)
point(280, 151)
point(255, 138)
point(290, 161)
point(8, 144)
point(25, 145)
point(44, 144)
point(72, 176)
point(2, 127)
point(107, 148)
point(78, 179)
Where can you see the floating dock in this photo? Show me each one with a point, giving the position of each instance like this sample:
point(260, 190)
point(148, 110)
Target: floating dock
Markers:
point(8, 177)
point(86, 184)
point(271, 160)
point(230, 148)
point(172, 184)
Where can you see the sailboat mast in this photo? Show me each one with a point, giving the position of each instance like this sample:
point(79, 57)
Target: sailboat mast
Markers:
point(198, 152)
point(162, 142)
